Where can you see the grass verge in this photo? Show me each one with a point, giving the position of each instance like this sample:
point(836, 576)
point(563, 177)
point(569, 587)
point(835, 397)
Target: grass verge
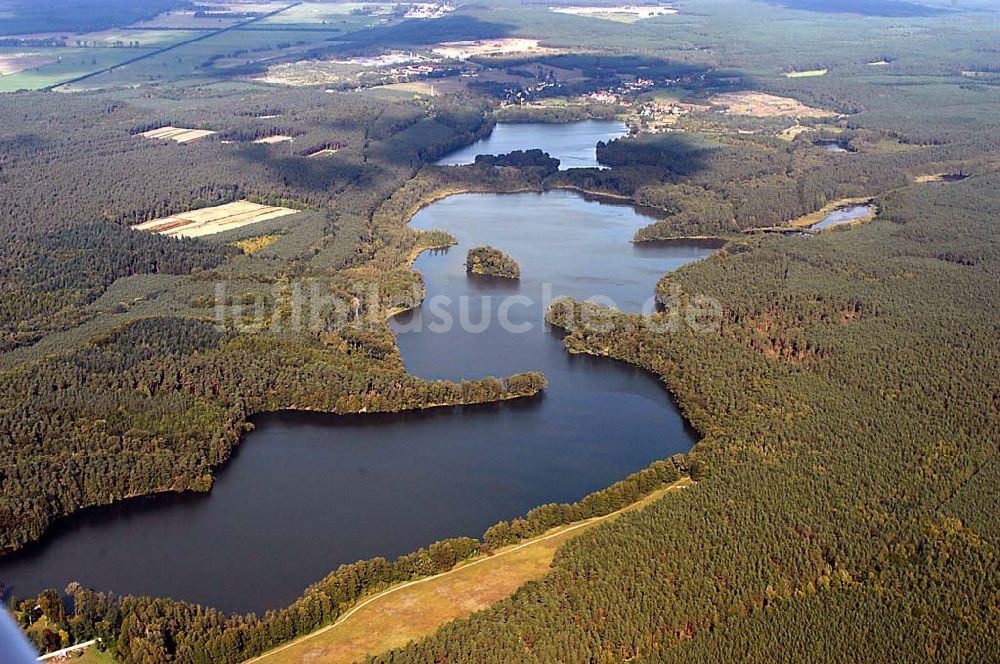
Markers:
point(416, 609)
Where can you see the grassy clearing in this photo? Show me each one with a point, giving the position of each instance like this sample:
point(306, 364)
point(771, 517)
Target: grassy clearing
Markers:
point(416, 609)
point(91, 656)
point(252, 245)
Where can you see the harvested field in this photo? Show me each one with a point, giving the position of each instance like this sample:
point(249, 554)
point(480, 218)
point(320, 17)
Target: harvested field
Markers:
point(242, 7)
point(277, 138)
point(463, 50)
point(208, 221)
point(185, 18)
point(806, 74)
point(430, 88)
point(623, 13)
point(178, 134)
point(761, 105)
point(325, 152)
point(309, 72)
point(11, 64)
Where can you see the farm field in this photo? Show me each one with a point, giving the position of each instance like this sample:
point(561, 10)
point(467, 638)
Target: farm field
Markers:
point(622, 13)
point(17, 62)
point(186, 19)
point(761, 105)
point(177, 134)
point(463, 50)
point(806, 74)
point(55, 65)
point(189, 60)
point(208, 221)
point(325, 12)
point(271, 140)
point(130, 38)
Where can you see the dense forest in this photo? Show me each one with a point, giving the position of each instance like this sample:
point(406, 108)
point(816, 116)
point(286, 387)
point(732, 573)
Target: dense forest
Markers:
point(492, 262)
point(845, 386)
point(883, 339)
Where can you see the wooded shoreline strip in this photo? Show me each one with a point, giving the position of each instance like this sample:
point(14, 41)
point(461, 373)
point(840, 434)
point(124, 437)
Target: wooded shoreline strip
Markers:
point(558, 531)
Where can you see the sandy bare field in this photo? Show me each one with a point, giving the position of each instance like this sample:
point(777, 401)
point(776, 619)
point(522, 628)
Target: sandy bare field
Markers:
point(11, 64)
point(761, 105)
point(277, 138)
point(625, 13)
point(325, 152)
point(178, 134)
point(462, 50)
point(806, 74)
point(208, 221)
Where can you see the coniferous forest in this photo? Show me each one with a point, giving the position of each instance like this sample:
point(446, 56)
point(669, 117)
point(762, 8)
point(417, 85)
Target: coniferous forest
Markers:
point(844, 383)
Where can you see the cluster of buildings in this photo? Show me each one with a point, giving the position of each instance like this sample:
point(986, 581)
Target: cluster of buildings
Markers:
point(616, 95)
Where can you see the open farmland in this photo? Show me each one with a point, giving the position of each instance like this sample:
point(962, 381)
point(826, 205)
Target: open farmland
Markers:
point(187, 18)
point(52, 66)
point(208, 221)
point(178, 134)
point(131, 38)
point(15, 62)
point(761, 105)
point(623, 13)
point(806, 74)
point(463, 50)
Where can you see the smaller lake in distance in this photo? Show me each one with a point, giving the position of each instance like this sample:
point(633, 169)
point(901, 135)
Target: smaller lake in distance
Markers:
point(844, 215)
point(832, 146)
point(574, 144)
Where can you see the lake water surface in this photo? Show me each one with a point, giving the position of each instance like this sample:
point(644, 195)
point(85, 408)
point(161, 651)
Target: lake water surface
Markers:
point(306, 492)
point(843, 216)
point(574, 144)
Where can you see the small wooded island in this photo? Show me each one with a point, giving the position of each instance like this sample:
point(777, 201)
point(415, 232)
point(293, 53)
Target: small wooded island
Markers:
point(492, 262)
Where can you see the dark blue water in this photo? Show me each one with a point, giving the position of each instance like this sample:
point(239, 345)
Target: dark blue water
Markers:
point(307, 492)
point(574, 144)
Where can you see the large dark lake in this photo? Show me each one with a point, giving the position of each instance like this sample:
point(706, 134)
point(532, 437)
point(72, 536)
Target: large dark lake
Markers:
point(306, 492)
